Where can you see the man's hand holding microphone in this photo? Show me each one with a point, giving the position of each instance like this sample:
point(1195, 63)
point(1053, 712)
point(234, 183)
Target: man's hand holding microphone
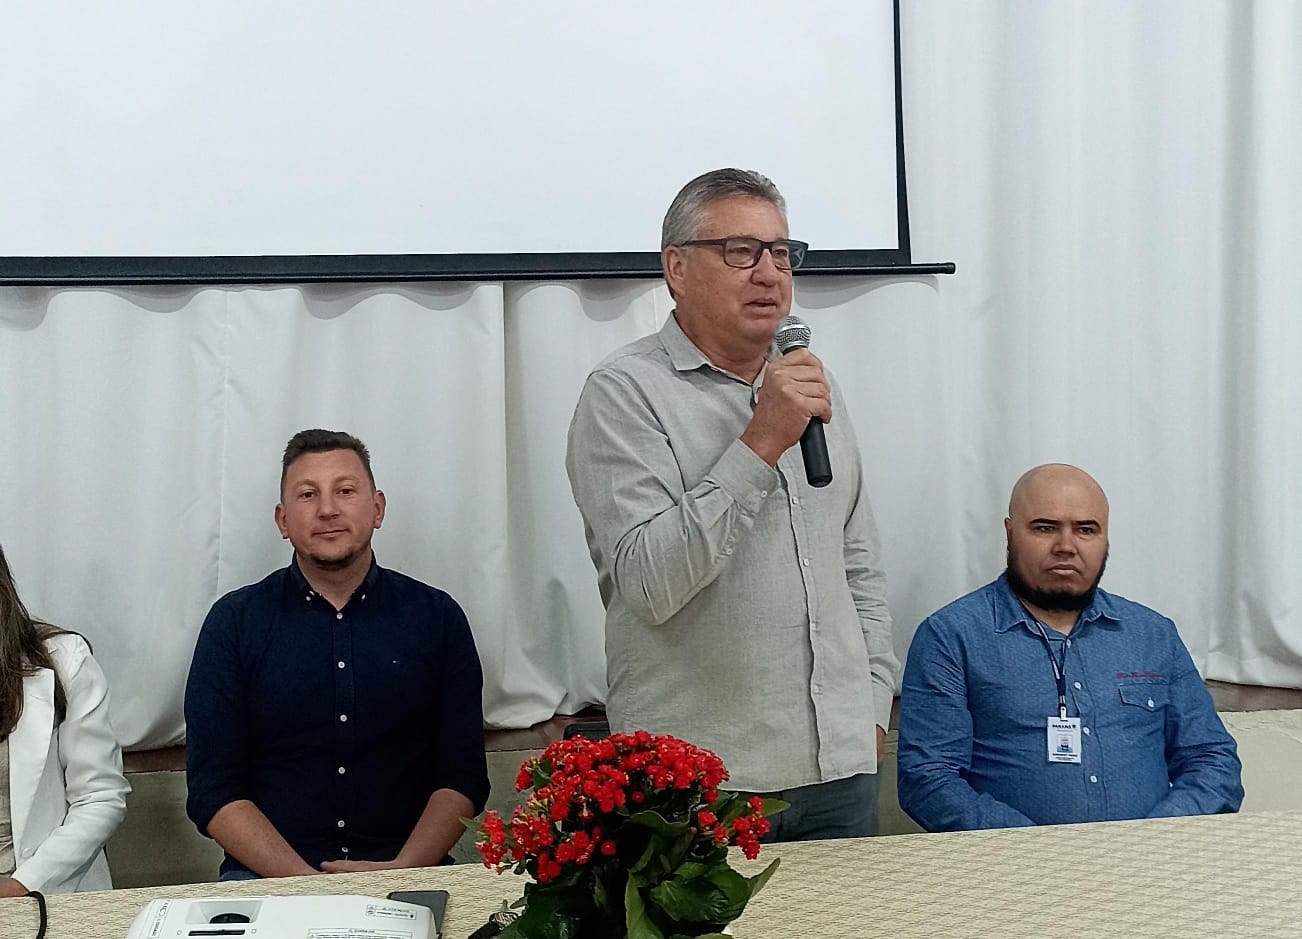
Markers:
point(794, 403)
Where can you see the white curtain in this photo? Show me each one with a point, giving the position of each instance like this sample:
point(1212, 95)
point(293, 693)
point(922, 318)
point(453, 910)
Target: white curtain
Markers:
point(1117, 182)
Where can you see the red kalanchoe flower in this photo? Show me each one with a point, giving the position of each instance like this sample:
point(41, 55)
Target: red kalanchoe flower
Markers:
point(580, 795)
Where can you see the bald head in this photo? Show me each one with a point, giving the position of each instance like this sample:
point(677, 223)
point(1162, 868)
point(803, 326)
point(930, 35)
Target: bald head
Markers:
point(1057, 530)
point(1041, 481)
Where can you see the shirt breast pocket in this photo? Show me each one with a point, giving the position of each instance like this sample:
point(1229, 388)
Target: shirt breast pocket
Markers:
point(1143, 707)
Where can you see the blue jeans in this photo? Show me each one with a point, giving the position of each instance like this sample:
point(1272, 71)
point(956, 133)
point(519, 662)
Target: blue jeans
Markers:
point(844, 808)
point(241, 874)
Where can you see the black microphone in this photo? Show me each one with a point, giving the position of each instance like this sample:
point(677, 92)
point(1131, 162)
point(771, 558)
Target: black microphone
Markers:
point(794, 333)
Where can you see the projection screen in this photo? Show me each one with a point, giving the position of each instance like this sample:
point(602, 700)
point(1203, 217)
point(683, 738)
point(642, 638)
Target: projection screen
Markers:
point(493, 139)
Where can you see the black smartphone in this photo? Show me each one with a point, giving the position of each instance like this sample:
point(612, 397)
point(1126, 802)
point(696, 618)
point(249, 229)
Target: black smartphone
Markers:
point(434, 900)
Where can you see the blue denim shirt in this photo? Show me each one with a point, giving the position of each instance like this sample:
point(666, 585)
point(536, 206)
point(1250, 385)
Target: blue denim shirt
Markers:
point(979, 686)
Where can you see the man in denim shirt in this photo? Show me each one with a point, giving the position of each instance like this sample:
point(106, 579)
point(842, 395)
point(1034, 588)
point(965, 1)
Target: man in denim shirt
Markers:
point(1040, 699)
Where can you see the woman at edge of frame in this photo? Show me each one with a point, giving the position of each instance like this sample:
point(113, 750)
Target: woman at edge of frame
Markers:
point(62, 792)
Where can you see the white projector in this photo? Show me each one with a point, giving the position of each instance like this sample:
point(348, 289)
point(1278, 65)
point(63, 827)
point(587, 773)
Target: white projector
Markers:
point(318, 917)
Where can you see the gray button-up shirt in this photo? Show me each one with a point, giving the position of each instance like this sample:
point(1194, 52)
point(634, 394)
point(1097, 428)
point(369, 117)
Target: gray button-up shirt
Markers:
point(745, 610)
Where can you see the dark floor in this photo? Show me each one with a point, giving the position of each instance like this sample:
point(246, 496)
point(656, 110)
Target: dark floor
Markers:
point(1228, 697)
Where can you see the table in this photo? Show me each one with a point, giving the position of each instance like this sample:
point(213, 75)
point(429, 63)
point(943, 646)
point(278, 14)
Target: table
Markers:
point(1221, 876)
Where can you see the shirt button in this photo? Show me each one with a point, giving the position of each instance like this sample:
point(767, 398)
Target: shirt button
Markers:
point(308, 598)
point(1085, 731)
point(340, 823)
point(343, 718)
point(342, 771)
point(339, 615)
point(764, 493)
point(341, 665)
point(363, 596)
point(344, 849)
point(1076, 685)
point(805, 561)
point(816, 688)
point(727, 550)
point(1093, 779)
point(1150, 704)
point(813, 624)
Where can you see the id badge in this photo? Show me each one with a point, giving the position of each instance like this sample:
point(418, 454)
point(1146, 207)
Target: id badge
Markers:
point(1064, 739)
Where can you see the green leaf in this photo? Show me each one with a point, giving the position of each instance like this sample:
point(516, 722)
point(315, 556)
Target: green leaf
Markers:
point(666, 848)
point(733, 805)
point(672, 855)
point(540, 775)
point(713, 854)
point(648, 855)
point(658, 823)
point(550, 913)
point(542, 921)
point(638, 923)
point(691, 869)
point(759, 880)
point(717, 897)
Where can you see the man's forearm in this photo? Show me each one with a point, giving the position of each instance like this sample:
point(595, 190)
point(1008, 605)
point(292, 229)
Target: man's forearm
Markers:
point(249, 837)
point(437, 830)
point(664, 561)
point(1203, 784)
point(939, 802)
point(660, 545)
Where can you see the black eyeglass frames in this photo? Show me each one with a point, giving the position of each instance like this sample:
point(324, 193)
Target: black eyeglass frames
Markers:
point(743, 252)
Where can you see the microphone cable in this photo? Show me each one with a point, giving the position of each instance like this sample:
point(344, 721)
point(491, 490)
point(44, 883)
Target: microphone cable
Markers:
point(40, 906)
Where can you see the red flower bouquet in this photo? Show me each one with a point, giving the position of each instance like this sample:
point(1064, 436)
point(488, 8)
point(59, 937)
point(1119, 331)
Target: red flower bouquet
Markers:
point(627, 836)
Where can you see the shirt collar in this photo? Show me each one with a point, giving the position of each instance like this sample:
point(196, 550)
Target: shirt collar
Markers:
point(1009, 612)
point(686, 357)
point(300, 584)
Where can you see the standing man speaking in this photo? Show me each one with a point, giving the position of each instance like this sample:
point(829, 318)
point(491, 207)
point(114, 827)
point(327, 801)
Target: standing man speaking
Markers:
point(745, 608)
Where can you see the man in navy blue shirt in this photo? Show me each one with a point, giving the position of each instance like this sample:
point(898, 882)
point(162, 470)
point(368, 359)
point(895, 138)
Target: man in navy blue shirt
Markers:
point(1041, 699)
point(333, 710)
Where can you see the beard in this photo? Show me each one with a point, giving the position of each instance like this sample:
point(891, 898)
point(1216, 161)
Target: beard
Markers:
point(1055, 601)
point(333, 563)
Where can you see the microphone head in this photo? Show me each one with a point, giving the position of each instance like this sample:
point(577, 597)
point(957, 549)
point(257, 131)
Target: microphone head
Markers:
point(792, 333)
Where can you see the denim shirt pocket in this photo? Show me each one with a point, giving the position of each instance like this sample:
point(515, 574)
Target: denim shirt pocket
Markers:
point(1148, 696)
point(1142, 717)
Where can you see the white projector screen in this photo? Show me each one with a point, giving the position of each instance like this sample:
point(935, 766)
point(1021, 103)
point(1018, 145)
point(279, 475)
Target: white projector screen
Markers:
point(151, 130)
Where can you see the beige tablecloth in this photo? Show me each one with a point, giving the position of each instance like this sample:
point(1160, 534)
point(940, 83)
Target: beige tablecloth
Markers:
point(1224, 876)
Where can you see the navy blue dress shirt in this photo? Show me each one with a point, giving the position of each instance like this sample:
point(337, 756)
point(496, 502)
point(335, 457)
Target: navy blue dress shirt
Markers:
point(337, 725)
point(978, 688)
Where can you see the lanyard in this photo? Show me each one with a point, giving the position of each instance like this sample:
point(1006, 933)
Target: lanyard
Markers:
point(1059, 669)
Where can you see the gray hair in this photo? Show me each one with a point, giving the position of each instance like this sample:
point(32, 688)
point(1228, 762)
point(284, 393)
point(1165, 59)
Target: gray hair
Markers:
point(686, 213)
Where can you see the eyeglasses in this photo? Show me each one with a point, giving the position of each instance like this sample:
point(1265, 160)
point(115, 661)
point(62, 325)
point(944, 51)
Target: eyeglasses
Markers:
point(746, 252)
